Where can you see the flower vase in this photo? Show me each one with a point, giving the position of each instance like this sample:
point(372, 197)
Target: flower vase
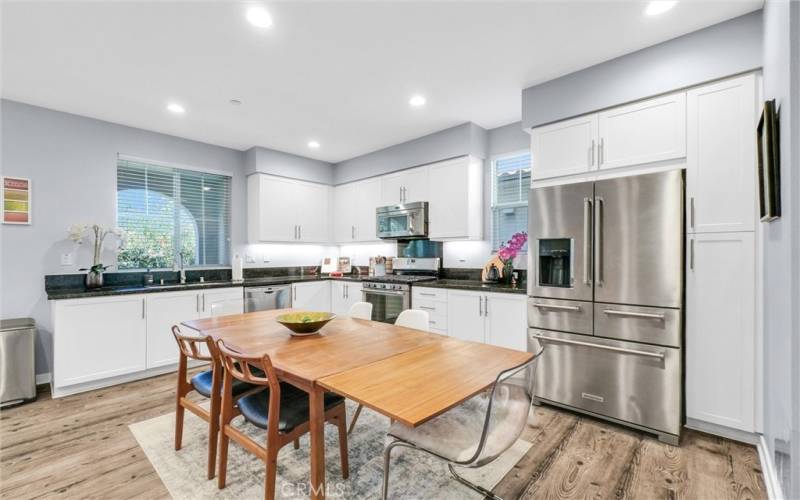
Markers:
point(508, 272)
point(94, 280)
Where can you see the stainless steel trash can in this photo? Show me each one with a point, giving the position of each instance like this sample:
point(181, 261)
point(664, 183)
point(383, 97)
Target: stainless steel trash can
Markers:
point(17, 371)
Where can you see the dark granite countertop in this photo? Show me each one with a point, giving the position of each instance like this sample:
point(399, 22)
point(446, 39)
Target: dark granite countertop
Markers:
point(81, 292)
point(475, 286)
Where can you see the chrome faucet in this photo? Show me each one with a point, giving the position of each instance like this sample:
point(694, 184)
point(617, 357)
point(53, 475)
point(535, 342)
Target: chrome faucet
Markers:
point(182, 270)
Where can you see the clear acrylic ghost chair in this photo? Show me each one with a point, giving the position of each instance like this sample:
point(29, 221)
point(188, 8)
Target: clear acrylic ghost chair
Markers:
point(475, 433)
point(410, 318)
point(360, 310)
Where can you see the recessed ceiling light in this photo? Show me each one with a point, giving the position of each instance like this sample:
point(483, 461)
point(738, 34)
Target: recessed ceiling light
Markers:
point(313, 144)
point(259, 17)
point(417, 101)
point(657, 7)
point(176, 108)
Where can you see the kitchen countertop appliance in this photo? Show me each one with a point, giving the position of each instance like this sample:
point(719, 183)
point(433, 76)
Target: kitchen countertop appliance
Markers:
point(405, 221)
point(605, 298)
point(17, 372)
point(265, 298)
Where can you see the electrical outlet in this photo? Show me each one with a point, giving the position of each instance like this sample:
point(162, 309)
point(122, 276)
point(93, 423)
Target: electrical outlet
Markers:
point(66, 259)
point(265, 259)
point(249, 259)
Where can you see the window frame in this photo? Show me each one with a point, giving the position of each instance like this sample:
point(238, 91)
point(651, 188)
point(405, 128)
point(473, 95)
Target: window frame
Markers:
point(177, 166)
point(493, 206)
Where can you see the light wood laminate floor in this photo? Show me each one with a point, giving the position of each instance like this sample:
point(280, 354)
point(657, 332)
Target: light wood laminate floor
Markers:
point(80, 447)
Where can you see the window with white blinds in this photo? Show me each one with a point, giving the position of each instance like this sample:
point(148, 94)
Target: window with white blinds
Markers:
point(172, 213)
point(511, 179)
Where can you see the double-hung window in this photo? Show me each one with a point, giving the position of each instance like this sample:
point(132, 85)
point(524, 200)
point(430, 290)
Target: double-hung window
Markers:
point(511, 178)
point(172, 214)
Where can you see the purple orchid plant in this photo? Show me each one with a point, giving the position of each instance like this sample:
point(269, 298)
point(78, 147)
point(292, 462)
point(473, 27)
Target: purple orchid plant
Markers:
point(510, 249)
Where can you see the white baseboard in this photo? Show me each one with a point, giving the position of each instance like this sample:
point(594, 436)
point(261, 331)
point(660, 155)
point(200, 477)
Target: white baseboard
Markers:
point(43, 378)
point(721, 430)
point(774, 491)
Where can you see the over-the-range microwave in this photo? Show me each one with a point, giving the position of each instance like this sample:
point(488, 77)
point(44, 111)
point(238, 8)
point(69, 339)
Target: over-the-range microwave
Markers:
point(409, 220)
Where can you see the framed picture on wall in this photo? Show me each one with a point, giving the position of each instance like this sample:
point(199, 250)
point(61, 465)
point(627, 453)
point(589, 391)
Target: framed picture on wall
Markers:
point(16, 200)
point(769, 166)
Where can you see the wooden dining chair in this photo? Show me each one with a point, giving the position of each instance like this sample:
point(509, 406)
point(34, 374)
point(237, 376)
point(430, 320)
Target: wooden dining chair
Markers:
point(207, 383)
point(410, 318)
point(281, 409)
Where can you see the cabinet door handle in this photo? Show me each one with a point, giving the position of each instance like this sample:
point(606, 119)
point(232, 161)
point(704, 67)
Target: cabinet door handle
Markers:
point(591, 163)
point(601, 152)
point(427, 294)
point(485, 305)
point(143, 309)
point(204, 302)
point(427, 308)
point(352, 232)
point(691, 254)
point(480, 306)
point(197, 302)
point(299, 232)
point(691, 212)
point(401, 194)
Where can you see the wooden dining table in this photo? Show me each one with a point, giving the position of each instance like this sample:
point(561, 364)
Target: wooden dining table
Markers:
point(410, 376)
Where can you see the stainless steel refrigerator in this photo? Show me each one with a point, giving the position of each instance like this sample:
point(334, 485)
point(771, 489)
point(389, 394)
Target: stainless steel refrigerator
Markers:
point(605, 298)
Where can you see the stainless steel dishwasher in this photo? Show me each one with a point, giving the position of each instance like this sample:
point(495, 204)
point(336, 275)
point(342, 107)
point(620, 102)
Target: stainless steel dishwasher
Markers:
point(264, 298)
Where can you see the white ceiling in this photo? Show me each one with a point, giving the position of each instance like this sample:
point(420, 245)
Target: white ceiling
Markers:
point(337, 72)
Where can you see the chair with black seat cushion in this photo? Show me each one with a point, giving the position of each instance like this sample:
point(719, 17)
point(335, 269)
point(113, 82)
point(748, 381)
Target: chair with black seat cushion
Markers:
point(281, 409)
point(208, 383)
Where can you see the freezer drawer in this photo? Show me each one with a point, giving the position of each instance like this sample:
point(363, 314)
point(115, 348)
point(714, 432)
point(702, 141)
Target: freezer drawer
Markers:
point(651, 325)
point(562, 315)
point(625, 381)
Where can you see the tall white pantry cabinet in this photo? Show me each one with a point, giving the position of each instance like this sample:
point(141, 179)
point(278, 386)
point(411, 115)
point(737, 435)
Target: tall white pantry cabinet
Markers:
point(710, 131)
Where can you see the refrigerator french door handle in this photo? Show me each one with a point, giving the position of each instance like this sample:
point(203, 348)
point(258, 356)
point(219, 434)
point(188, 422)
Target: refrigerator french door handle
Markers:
point(598, 244)
point(587, 242)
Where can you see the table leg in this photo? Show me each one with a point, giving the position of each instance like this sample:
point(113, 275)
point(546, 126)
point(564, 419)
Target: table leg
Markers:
point(317, 424)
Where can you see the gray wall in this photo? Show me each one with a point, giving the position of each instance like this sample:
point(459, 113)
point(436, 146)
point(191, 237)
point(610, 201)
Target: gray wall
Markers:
point(270, 161)
point(465, 139)
point(781, 250)
point(71, 161)
point(724, 49)
point(508, 139)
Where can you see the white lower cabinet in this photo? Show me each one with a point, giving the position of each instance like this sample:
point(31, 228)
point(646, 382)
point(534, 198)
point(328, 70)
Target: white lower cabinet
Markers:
point(163, 311)
point(343, 295)
point(507, 320)
point(313, 296)
point(720, 330)
point(98, 338)
point(99, 341)
point(494, 318)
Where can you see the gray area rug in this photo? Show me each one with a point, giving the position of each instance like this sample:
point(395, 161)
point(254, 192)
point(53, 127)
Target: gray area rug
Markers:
point(414, 475)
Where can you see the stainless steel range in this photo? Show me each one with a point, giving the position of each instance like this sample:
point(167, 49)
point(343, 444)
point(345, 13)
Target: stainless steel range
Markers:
point(606, 298)
point(391, 294)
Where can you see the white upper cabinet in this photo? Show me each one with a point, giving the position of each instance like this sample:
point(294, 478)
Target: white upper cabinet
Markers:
point(643, 132)
point(456, 201)
point(721, 156)
point(564, 148)
point(405, 186)
point(280, 209)
point(354, 207)
point(720, 329)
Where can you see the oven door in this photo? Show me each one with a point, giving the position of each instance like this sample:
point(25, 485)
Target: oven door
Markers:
point(386, 305)
point(401, 224)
